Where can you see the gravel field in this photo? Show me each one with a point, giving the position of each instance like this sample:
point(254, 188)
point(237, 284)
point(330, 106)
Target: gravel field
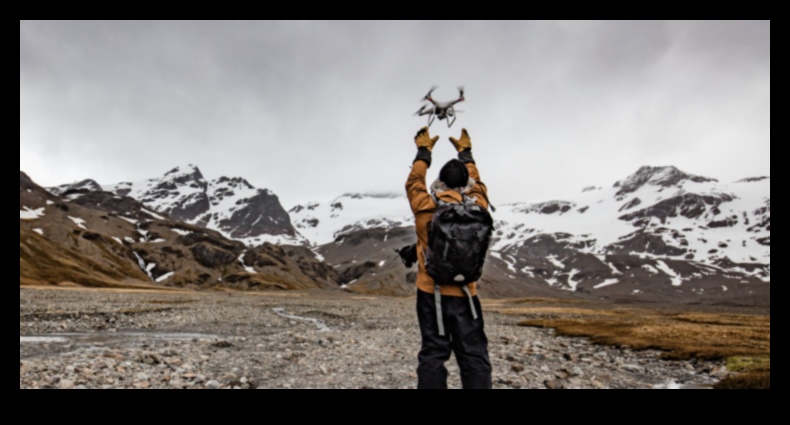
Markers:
point(81, 338)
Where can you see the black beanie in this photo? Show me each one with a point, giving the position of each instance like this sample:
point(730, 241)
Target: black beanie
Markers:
point(454, 174)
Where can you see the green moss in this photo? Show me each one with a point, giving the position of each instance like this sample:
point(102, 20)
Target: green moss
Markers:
point(748, 363)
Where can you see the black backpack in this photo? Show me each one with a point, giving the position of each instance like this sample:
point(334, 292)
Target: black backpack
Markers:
point(458, 239)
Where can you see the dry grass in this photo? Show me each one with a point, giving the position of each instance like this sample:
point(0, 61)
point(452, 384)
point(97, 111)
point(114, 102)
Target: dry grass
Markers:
point(755, 372)
point(743, 339)
point(170, 301)
point(42, 262)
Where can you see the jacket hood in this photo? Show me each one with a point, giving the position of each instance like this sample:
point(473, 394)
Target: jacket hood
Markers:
point(440, 190)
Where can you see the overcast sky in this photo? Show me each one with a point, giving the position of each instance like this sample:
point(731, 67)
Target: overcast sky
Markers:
point(312, 110)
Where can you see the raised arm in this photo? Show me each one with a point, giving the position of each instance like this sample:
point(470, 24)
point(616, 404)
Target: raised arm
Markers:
point(463, 145)
point(416, 188)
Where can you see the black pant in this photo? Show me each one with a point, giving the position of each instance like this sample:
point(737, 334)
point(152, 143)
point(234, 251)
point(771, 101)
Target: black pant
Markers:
point(464, 336)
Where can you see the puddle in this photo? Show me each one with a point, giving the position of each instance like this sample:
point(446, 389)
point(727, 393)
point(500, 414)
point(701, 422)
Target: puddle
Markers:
point(104, 337)
point(318, 323)
point(42, 339)
point(672, 385)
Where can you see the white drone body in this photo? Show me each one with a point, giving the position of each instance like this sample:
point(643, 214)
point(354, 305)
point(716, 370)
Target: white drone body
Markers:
point(441, 110)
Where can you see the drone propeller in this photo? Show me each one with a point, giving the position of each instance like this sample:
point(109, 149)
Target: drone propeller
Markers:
point(428, 96)
point(452, 111)
point(461, 91)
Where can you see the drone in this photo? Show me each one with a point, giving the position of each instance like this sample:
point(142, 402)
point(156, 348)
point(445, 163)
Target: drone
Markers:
point(441, 110)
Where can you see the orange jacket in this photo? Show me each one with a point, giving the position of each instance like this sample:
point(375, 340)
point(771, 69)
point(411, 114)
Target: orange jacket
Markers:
point(423, 206)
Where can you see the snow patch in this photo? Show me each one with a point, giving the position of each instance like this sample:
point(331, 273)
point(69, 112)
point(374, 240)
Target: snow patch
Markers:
point(146, 267)
point(346, 284)
point(528, 271)
point(152, 214)
point(606, 282)
point(676, 280)
point(130, 220)
point(39, 231)
point(247, 268)
point(614, 269)
point(650, 268)
point(553, 260)
point(164, 276)
point(28, 214)
point(78, 221)
point(573, 283)
point(511, 264)
point(318, 256)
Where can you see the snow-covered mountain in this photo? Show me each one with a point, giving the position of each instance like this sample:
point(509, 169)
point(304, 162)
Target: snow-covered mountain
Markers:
point(325, 222)
point(680, 228)
point(231, 206)
point(657, 211)
point(659, 230)
point(97, 238)
point(659, 234)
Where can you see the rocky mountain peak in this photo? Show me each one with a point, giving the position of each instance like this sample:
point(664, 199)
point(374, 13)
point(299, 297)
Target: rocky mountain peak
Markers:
point(83, 186)
point(189, 175)
point(548, 207)
point(665, 176)
point(232, 182)
point(31, 195)
point(25, 182)
point(230, 205)
point(373, 195)
point(752, 179)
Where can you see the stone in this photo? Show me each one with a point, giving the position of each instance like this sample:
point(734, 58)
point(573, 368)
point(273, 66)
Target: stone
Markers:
point(553, 384)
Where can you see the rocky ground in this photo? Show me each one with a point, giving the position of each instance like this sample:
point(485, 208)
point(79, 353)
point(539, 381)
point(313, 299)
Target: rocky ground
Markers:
point(77, 338)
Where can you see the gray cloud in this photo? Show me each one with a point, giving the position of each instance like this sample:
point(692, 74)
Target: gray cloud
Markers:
point(314, 109)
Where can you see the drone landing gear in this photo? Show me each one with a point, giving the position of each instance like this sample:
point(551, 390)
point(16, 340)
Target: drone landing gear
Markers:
point(450, 123)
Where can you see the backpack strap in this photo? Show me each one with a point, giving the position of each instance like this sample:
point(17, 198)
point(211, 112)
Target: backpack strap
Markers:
point(437, 297)
point(471, 301)
point(467, 200)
